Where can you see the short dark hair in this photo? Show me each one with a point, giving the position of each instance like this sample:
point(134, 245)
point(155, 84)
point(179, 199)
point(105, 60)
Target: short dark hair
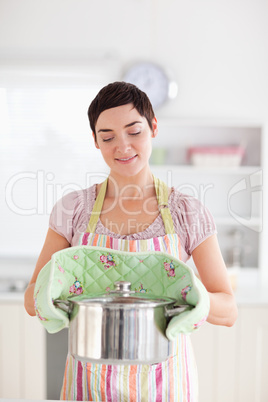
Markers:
point(117, 94)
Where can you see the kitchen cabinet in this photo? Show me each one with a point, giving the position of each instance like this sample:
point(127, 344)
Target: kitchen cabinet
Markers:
point(253, 355)
point(233, 362)
point(22, 354)
point(232, 193)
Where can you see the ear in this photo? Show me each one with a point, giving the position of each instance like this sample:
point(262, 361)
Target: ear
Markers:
point(155, 127)
point(95, 141)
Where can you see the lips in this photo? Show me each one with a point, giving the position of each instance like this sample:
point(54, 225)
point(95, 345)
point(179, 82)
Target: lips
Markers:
point(126, 160)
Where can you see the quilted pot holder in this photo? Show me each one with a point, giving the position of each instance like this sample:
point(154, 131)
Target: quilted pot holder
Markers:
point(90, 270)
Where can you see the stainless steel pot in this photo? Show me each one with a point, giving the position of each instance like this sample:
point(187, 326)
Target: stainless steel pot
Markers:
point(119, 327)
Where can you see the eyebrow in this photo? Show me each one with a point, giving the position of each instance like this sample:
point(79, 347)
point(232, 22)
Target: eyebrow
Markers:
point(107, 130)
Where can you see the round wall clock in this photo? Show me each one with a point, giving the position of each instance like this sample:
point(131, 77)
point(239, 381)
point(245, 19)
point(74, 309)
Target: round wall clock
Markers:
point(153, 80)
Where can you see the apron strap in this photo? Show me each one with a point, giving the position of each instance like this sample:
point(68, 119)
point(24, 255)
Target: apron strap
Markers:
point(95, 214)
point(162, 199)
point(161, 190)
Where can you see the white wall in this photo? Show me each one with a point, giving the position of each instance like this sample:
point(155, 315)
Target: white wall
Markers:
point(217, 50)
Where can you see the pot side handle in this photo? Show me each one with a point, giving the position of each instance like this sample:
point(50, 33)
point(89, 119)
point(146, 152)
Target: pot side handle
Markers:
point(64, 305)
point(177, 310)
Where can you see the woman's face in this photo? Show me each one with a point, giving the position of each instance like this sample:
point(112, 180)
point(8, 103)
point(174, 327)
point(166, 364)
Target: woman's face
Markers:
point(124, 139)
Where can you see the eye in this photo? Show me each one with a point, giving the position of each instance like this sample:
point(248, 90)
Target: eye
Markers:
point(107, 139)
point(138, 132)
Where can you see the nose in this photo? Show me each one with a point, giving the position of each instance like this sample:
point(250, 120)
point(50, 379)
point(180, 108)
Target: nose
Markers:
point(123, 145)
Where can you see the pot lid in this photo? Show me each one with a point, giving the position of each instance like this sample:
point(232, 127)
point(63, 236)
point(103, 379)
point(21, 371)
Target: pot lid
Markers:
point(124, 297)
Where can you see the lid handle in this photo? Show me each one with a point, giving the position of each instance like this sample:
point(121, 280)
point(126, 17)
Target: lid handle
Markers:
point(122, 286)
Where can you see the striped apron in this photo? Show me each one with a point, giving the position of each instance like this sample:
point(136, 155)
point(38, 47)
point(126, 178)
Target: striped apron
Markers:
point(172, 380)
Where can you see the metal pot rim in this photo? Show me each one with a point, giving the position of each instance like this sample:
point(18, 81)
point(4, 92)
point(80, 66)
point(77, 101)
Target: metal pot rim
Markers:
point(122, 300)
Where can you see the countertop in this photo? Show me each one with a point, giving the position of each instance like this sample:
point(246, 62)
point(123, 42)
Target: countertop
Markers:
point(17, 273)
point(248, 292)
point(29, 400)
point(12, 297)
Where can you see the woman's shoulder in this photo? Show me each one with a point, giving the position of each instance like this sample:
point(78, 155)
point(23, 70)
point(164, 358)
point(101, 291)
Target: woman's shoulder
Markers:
point(189, 209)
point(77, 198)
point(71, 211)
point(193, 221)
point(184, 202)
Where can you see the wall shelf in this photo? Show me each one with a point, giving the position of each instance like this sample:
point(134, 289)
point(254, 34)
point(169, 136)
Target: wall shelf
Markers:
point(231, 193)
point(254, 223)
point(218, 170)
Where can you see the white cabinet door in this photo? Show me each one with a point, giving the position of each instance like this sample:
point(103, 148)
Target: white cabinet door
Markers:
point(34, 362)
point(233, 362)
point(11, 385)
point(204, 348)
point(216, 358)
point(22, 354)
point(253, 355)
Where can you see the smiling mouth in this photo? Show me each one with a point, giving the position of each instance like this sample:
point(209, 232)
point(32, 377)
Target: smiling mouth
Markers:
point(126, 159)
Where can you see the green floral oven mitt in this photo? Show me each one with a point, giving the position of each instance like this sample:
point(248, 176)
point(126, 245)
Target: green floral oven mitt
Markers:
point(90, 270)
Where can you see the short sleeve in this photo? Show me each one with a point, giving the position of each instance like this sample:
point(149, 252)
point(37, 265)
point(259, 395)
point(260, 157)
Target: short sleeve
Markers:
point(195, 222)
point(65, 213)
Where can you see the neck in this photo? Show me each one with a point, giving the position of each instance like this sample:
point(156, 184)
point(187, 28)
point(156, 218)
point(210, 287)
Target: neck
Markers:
point(139, 185)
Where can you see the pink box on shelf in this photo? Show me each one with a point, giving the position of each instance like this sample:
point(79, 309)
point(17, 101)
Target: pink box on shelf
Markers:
point(226, 155)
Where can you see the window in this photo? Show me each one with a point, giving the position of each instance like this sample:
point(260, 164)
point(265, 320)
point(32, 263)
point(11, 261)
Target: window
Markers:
point(46, 151)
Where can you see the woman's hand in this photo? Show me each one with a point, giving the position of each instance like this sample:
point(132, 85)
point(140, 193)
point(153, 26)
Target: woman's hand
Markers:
point(54, 242)
point(213, 273)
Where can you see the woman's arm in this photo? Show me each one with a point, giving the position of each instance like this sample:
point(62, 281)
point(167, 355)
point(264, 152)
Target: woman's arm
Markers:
point(213, 273)
point(54, 242)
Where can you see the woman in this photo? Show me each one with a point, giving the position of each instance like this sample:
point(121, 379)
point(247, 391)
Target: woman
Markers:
point(123, 125)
